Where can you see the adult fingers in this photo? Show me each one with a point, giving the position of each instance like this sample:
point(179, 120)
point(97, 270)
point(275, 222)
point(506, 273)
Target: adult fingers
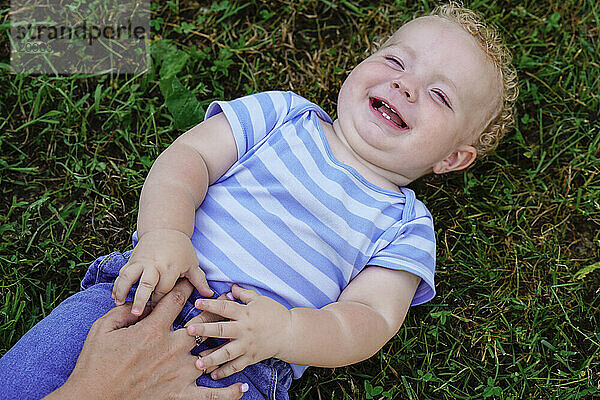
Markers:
point(232, 392)
point(128, 275)
point(171, 304)
point(116, 318)
point(181, 340)
point(148, 281)
point(198, 279)
point(187, 372)
point(245, 295)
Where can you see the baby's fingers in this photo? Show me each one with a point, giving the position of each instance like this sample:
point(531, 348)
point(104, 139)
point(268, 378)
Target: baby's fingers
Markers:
point(228, 352)
point(148, 282)
point(223, 371)
point(235, 391)
point(231, 368)
point(128, 275)
point(204, 354)
point(166, 282)
point(206, 316)
point(197, 277)
point(221, 330)
point(227, 309)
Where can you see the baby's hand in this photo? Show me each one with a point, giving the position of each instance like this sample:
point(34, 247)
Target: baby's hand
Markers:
point(258, 329)
point(158, 260)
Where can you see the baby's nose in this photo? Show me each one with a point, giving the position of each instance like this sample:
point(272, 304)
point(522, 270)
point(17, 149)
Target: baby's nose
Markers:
point(406, 89)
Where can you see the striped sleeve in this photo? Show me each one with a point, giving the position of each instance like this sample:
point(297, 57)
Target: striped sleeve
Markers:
point(253, 117)
point(412, 250)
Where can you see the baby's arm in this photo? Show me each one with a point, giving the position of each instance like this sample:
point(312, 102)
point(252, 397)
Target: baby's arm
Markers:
point(175, 187)
point(367, 314)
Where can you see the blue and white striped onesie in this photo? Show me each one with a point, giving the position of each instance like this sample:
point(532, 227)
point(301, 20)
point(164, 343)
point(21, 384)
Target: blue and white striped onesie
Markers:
point(291, 222)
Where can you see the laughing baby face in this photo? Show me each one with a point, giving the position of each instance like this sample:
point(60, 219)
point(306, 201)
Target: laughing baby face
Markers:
point(418, 103)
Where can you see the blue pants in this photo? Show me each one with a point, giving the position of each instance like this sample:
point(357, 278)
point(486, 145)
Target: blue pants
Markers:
point(42, 360)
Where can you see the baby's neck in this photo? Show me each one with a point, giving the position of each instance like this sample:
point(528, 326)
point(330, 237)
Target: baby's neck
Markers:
point(344, 154)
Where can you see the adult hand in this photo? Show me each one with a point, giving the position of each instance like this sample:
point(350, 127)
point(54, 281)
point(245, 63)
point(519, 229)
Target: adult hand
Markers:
point(122, 359)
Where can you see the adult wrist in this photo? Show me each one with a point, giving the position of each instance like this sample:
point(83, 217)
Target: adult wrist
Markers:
point(74, 390)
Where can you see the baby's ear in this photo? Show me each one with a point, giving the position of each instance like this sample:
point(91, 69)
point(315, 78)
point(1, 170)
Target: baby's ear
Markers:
point(460, 158)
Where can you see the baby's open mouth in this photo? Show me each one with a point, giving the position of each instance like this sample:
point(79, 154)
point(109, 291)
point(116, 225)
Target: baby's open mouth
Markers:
point(388, 112)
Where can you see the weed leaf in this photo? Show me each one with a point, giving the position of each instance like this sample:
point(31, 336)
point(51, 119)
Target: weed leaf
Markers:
point(183, 106)
point(583, 272)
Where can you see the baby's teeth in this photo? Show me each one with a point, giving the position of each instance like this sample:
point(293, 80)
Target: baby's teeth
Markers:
point(385, 115)
point(388, 106)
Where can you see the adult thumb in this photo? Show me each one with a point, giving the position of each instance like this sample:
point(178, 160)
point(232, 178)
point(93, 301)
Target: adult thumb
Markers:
point(117, 318)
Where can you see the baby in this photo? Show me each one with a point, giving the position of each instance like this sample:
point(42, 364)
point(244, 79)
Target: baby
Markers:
point(313, 214)
point(305, 220)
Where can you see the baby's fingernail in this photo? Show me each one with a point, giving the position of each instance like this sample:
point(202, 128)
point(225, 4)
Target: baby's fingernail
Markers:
point(198, 303)
point(191, 329)
point(200, 363)
point(230, 296)
point(118, 302)
point(136, 311)
point(244, 388)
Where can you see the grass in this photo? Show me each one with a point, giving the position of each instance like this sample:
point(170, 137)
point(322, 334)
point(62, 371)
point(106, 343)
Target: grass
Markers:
point(518, 279)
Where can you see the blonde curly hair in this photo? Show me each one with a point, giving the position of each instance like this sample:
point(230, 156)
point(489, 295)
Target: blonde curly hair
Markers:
point(500, 56)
